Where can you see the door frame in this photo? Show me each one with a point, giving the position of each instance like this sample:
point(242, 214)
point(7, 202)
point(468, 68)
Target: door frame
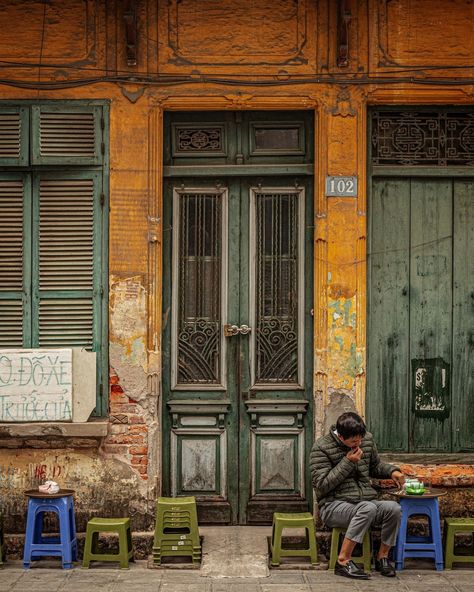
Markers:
point(292, 104)
point(388, 101)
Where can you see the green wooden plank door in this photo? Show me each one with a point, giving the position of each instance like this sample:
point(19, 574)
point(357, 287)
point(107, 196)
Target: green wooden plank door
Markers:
point(463, 315)
point(430, 313)
point(388, 316)
point(421, 318)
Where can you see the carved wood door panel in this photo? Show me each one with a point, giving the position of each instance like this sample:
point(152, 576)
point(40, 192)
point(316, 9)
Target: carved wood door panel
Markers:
point(237, 339)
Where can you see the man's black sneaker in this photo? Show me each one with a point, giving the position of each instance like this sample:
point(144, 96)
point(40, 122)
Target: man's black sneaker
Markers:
point(385, 568)
point(350, 570)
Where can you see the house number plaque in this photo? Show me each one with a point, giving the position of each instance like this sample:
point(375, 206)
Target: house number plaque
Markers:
point(341, 186)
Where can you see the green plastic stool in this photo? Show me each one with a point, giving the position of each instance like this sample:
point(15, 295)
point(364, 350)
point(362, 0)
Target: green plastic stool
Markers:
point(176, 529)
point(365, 558)
point(452, 526)
point(300, 520)
point(119, 525)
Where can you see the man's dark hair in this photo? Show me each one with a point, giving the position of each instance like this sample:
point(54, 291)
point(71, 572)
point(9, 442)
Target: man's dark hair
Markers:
point(350, 424)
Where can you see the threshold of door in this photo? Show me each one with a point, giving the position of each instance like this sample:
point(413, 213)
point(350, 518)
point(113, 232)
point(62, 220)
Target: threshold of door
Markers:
point(235, 551)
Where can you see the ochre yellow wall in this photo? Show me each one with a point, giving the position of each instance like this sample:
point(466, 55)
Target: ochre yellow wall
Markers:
point(197, 55)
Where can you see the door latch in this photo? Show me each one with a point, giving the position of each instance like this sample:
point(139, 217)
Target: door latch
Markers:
point(231, 330)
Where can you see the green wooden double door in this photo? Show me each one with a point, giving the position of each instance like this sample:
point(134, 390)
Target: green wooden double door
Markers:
point(237, 368)
point(421, 313)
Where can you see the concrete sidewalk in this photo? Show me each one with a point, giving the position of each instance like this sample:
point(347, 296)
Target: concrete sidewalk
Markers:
point(235, 559)
point(111, 579)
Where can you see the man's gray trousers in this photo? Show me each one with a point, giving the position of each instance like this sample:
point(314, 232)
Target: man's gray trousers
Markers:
point(358, 517)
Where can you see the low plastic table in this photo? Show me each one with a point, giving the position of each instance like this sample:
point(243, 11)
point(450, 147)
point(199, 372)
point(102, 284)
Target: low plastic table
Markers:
point(430, 546)
point(36, 545)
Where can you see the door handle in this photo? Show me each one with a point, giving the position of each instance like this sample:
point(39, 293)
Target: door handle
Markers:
point(232, 330)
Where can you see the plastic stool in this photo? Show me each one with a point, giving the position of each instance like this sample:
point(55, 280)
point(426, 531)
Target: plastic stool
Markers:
point(36, 545)
point(419, 546)
point(91, 547)
point(366, 556)
point(176, 529)
point(300, 520)
point(452, 526)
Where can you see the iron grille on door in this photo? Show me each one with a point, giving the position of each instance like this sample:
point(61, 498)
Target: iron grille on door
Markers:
point(198, 256)
point(276, 341)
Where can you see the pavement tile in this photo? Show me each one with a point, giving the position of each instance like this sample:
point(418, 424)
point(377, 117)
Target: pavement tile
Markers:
point(319, 576)
point(225, 586)
point(285, 577)
point(175, 575)
point(460, 575)
point(265, 587)
point(431, 588)
point(185, 587)
point(323, 587)
point(427, 577)
point(127, 587)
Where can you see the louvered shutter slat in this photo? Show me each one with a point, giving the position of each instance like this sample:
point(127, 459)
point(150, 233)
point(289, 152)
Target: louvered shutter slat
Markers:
point(67, 136)
point(11, 235)
point(14, 136)
point(67, 258)
point(10, 135)
point(66, 219)
point(11, 323)
point(66, 323)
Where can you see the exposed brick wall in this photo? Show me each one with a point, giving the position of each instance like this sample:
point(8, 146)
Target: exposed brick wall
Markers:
point(128, 432)
point(442, 475)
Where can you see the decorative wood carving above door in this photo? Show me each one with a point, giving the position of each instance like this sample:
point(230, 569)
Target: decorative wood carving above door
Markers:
point(237, 33)
point(423, 23)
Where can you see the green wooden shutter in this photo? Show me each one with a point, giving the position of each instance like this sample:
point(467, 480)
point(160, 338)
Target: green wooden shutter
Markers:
point(67, 135)
point(463, 315)
point(431, 312)
point(14, 136)
point(15, 247)
point(388, 316)
point(67, 260)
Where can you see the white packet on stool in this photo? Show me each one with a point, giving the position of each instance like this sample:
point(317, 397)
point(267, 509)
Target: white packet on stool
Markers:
point(49, 487)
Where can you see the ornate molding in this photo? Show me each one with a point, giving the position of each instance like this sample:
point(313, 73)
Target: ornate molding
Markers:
point(408, 95)
point(235, 102)
point(132, 95)
point(343, 107)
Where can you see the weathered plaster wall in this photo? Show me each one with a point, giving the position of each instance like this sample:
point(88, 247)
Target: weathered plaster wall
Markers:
point(87, 41)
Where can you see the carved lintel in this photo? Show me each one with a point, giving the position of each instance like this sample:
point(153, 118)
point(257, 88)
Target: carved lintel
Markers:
point(130, 22)
point(239, 101)
point(343, 106)
point(132, 95)
point(344, 17)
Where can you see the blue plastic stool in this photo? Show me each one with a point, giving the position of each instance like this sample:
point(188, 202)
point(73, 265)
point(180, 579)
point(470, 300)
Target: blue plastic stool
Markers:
point(419, 546)
point(36, 545)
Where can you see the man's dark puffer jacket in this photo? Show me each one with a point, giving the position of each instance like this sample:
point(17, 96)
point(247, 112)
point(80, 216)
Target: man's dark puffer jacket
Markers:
point(335, 477)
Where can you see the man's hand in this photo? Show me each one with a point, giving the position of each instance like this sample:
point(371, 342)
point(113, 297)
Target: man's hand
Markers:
point(398, 477)
point(355, 454)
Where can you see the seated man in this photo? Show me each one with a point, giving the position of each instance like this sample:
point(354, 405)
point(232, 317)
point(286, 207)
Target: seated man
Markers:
point(342, 463)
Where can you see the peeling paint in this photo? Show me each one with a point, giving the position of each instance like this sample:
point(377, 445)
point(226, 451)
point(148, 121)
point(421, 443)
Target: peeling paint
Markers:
point(103, 486)
point(128, 317)
point(133, 378)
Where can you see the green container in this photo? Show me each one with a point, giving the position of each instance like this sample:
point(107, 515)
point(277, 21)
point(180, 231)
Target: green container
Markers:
point(414, 487)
